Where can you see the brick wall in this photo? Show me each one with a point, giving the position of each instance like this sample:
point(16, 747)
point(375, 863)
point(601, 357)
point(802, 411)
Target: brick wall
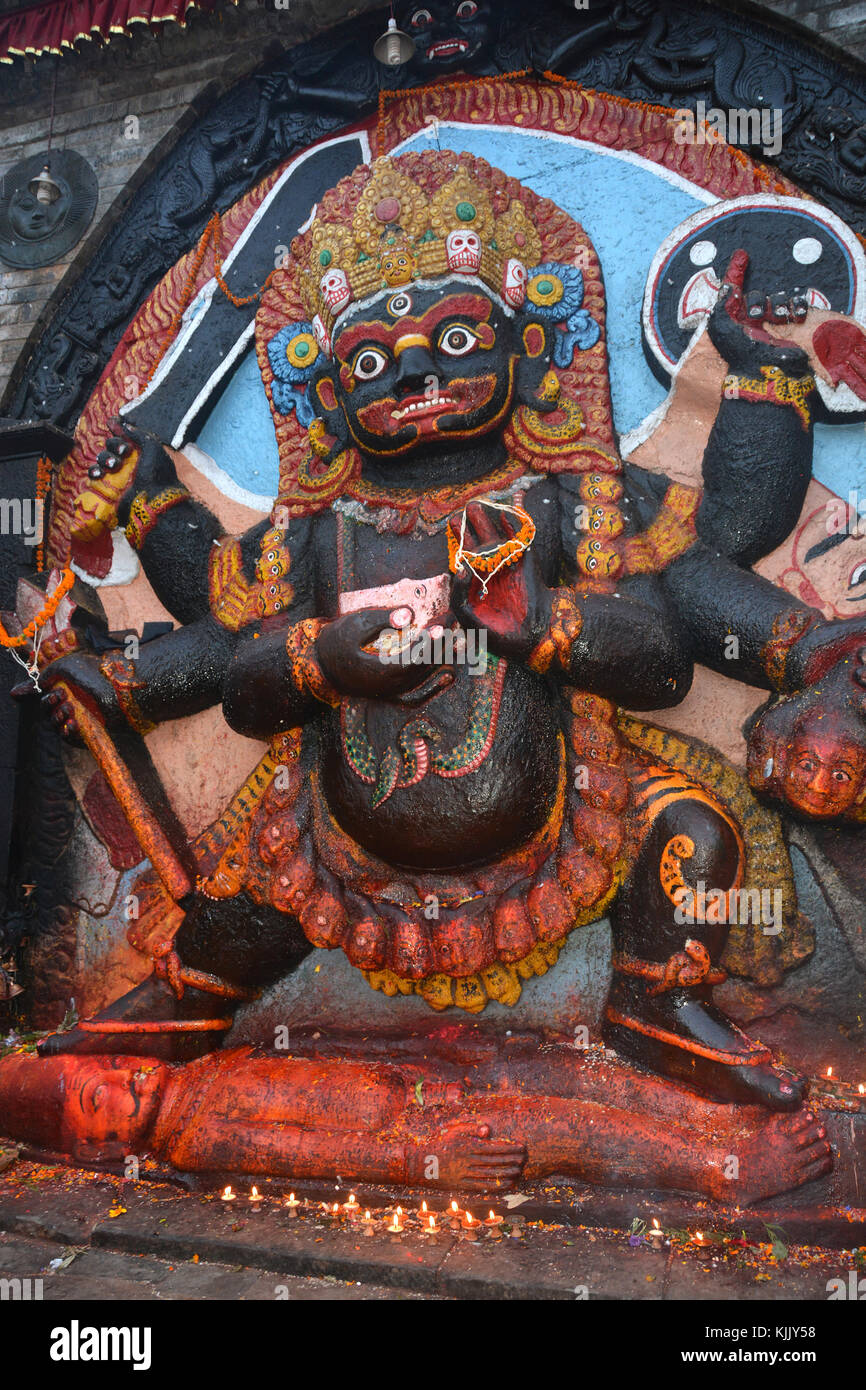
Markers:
point(841, 23)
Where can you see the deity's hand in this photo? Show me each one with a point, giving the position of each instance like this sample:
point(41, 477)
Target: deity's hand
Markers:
point(736, 325)
point(132, 458)
point(139, 458)
point(342, 652)
point(515, 612)
point(80, 672)
point(808, 750)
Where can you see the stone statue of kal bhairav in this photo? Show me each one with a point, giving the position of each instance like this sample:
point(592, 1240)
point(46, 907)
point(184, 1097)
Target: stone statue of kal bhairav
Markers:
point(434, 355)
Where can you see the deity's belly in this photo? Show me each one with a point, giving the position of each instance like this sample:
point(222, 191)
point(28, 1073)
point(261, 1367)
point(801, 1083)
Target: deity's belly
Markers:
point(488, 762)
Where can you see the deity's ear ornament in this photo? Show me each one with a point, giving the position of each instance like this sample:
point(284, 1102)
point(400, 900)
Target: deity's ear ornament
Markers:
point(555, 292)
point(294, 355)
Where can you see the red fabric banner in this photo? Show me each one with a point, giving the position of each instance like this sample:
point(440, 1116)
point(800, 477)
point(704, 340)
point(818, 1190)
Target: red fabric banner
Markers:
point(54, 27)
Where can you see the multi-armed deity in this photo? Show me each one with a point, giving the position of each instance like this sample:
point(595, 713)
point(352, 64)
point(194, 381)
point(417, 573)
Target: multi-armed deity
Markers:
point(459, 591)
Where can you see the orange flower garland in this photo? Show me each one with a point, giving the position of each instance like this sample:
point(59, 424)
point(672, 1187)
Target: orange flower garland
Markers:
point(52, 603)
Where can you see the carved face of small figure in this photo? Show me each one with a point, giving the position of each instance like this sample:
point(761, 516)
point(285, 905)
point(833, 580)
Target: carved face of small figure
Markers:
point(34, 221)
point(463, 250)
point(514, 282)
point(448, 34)
point(828, 561)
point(597, 559)
point(397, 264)
point(823, 774)
point(442, 372)
point(336, 290)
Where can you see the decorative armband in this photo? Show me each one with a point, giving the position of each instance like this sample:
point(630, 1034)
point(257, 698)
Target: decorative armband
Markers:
point(787, 630)
point(307, 675)
point(566, 621)
point(146, 511)
point(121, 675)
point(229, 593)
point(773, 386)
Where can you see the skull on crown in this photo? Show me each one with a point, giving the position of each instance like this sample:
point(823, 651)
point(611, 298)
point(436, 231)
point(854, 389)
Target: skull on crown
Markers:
point(514, 283)
point(336, 290)
point(463, 250)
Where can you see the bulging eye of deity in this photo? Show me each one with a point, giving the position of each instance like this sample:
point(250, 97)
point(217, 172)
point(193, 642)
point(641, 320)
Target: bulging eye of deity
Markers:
point(421, 19)
point(369, 364)
point(336, 290)
point(514, 283)
point(463, 250)
point(458, 340)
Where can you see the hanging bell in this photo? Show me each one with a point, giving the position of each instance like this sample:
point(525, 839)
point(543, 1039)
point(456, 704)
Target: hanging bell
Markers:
point(393, 48)
point(44, 188)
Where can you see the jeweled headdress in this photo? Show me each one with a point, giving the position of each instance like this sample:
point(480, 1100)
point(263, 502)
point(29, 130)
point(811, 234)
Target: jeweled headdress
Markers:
point(421, 217)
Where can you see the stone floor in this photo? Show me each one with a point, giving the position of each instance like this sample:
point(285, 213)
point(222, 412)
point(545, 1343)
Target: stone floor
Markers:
point(95, 1237)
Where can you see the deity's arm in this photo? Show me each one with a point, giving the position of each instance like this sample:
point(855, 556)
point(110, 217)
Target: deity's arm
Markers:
point(184, 550)
point(625, 646)
point(740, 624)
point(757, 464)
point(272, 681)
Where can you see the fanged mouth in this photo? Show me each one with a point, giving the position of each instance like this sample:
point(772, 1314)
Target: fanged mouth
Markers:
point(448, 48)
point(423, 405)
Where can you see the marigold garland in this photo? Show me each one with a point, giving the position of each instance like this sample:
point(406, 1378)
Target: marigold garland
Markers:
point(52, 603)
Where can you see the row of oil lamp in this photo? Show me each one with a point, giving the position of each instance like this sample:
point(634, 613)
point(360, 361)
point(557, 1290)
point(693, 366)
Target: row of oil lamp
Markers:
point(428, 1223)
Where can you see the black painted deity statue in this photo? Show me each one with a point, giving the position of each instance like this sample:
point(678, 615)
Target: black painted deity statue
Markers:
point(459, 589)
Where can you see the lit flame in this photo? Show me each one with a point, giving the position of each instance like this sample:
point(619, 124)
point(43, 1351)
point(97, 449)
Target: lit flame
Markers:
point(424, 1208)
point(656, 1223)
point(862, 1089)
point(431, 1223)
point(469, 1218)
point(492, 1215)
point(699, 1235)
point(829, 1071)
point(454, 1208)
point(228, 1194)
point(254, 1194)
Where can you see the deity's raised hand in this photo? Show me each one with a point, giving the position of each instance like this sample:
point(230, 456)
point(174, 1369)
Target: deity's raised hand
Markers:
point(737, 325)
point(76, 675)
point(515, 610)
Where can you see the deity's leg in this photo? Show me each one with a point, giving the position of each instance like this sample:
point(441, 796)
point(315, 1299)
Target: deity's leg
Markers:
point(667, 944)
point(223, 953)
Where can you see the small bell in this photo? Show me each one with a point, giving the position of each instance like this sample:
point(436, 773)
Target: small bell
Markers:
point(44, 188)
point(393, 48)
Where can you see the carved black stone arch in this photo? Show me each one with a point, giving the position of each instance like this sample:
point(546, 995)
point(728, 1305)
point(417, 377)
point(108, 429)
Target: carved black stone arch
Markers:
point(667, 53)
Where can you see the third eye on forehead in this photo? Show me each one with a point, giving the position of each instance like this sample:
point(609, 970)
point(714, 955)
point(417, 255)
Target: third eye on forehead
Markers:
point(375, 323)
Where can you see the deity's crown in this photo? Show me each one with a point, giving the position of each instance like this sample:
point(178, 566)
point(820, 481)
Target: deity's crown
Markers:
point(400, 233)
